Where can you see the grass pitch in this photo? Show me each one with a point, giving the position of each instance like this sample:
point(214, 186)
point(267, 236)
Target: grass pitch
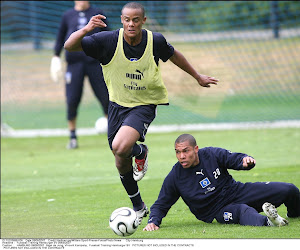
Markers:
point(48, 191)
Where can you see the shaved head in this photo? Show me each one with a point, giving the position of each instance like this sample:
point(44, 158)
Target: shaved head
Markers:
point(134, 5)
point(186, 137)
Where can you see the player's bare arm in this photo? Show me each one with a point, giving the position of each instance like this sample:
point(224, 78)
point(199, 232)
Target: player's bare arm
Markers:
point(74, 41)
point(179, 60)
point(151, 227)
point(248, 161)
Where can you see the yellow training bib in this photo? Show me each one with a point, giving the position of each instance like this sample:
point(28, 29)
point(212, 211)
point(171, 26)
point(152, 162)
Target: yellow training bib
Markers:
point(134, 83)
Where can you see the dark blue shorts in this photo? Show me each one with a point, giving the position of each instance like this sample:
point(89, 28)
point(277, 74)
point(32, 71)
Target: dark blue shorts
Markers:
point(139, 118)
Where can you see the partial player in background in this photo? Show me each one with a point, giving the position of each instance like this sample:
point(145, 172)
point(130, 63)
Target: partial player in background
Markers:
point(78, 66)
point(201, 179)
point(130, 61)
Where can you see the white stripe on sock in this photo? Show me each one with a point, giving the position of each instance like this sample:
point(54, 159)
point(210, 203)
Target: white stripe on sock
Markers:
point(131, 196)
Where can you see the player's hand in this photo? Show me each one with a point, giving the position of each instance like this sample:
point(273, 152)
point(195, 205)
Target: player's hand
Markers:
point(73, 43)
point(205, 81)
point(56, 69)
point(151, 227)
point(248, 161)
point(95, 22)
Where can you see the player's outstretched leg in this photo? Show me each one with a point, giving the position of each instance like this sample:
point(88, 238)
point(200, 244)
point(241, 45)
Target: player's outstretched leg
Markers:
point(141, 163)
point(274, 218)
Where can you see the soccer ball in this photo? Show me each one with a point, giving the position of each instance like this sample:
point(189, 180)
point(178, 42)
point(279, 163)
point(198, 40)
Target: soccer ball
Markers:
point(124, 221)
point(101, 125)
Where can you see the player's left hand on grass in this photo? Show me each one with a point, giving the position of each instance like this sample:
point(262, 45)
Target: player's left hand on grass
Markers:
point(151, 227)
point(248, 161)
point(205, 81)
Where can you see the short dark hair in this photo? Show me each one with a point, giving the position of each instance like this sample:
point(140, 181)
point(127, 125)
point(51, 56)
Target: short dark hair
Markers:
point(134, 5)
point(186, 137)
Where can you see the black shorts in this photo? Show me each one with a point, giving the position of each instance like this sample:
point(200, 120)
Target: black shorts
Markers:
point(139, 118)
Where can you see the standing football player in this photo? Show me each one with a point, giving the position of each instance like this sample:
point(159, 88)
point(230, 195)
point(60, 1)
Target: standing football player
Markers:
point(130, 61)
point(78, 65)
point(201, 179)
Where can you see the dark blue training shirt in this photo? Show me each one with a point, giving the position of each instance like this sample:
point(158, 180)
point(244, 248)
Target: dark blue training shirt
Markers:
point(204, 188)
point(102, 46)
point(73, 20)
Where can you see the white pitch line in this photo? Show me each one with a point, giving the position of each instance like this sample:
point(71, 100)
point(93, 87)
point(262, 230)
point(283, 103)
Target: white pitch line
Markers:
point(29, 133)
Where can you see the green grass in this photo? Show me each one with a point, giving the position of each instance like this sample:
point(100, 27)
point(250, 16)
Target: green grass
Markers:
point(50, 192)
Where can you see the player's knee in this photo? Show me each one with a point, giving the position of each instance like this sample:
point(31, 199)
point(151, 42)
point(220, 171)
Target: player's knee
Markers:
point(72, 114)
point(120, 150)
point(291, 189)
point(287, 191)
point(72, 108)
point(73, 104)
